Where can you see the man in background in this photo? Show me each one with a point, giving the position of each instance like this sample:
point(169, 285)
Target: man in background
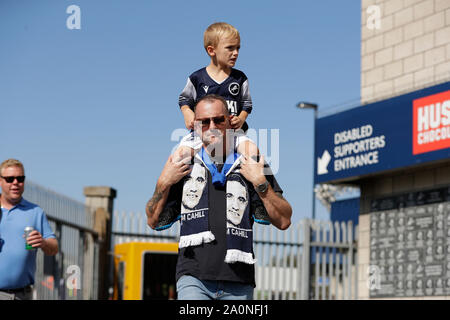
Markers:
point(17, 254)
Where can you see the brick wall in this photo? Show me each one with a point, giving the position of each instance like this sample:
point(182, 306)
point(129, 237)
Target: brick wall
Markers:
point(409, 50)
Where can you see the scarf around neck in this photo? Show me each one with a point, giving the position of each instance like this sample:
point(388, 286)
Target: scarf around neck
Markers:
point(195, 208)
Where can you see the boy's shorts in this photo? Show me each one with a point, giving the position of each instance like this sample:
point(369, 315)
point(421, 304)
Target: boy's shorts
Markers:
point(193, 141)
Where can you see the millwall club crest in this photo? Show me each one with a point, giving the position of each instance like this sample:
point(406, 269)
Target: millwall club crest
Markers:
point(234, 88)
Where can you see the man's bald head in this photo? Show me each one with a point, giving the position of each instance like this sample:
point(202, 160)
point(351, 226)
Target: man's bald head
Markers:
point(212, 98)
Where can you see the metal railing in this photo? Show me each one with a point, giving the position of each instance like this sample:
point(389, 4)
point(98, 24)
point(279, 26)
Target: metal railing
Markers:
point(77, 259)
point(310, 260)
point(334, 247)
point(132, 226)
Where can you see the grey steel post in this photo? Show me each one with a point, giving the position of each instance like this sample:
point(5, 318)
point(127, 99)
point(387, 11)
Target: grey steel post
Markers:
point(305, 276)
point(337, 259)
point(81, 246)
point(350, 256)
point(324, 261)
point(270, 264)
point(299, 260)
point(59, 262)
point(344, 260)
point(277, 259)
point(256, 247)
point(317, 250)
point(284, 274)
point(330, 258)
point(291, 264)
point(263, 267)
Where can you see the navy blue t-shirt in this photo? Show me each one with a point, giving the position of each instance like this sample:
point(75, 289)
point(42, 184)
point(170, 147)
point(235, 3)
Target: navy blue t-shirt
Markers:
point(233, 89)
point(207, 261)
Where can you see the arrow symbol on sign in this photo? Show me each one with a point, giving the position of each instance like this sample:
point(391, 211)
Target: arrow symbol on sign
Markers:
point(322, 163)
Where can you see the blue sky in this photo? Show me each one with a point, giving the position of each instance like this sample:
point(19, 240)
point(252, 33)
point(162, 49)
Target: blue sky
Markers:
point(97, 106)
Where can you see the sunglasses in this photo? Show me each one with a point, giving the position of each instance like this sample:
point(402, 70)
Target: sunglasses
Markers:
point(11, 179)
point(216, 120)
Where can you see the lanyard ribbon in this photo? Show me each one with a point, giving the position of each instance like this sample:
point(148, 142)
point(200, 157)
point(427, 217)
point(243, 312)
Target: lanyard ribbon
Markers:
point(218, 177)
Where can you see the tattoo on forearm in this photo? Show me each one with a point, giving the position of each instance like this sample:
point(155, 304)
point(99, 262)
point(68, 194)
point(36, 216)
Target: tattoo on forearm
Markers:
point(157, 196)
point(279, 195)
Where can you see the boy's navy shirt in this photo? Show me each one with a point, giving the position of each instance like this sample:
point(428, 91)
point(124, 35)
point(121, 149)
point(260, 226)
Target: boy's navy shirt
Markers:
point(233, 89)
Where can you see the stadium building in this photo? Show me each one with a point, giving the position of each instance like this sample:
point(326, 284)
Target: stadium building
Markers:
point(396, 148)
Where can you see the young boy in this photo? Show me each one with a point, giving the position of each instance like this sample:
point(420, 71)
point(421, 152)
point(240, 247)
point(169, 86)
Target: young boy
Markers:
point(222, 43)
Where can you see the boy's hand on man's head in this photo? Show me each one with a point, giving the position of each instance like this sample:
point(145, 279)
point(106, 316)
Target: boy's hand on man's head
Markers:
point(189, 122)
point(189, 117)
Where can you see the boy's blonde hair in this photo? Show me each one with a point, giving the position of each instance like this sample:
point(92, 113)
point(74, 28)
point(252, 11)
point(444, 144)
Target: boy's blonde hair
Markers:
point(11, 163)
point(217, 31)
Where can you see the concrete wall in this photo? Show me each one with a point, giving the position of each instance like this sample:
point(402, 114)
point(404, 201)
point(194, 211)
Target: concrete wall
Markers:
point(410, 50)
point(101, 198)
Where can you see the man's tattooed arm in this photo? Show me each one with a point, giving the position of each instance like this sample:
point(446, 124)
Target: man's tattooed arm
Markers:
point(155, 205)
point(157, 196)
point(171, 174)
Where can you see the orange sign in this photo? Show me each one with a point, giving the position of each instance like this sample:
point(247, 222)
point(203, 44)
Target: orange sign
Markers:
point(431, 123)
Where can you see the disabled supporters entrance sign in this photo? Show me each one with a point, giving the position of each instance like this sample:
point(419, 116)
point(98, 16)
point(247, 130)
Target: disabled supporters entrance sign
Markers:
point(404, 131)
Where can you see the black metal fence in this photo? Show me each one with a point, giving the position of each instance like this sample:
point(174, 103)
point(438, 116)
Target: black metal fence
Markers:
point(73, 273)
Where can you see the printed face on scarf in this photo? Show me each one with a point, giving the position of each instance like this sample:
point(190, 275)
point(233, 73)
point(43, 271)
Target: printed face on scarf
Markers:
point(237, 201)
point(193, 187)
